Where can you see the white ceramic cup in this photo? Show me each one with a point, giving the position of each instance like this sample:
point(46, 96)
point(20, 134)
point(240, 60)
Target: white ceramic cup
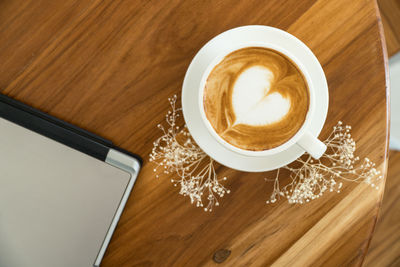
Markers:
point(303, 137)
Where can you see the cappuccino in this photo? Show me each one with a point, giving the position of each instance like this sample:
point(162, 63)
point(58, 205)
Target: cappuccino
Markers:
point(256, 98)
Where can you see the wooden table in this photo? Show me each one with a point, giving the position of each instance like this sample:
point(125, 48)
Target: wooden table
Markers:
point(109, 67)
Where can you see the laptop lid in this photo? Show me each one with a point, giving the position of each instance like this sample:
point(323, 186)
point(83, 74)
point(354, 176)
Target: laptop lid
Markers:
point(61, 191)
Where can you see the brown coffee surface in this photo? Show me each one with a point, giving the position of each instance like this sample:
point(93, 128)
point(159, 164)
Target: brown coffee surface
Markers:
point(286, 79)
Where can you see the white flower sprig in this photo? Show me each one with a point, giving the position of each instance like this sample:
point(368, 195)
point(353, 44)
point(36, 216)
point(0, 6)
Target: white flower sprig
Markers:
point(176, 152)
point(313, 178)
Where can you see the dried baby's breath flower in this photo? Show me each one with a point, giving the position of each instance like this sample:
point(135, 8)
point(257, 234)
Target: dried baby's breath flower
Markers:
point(312, 178)
point(175, 152)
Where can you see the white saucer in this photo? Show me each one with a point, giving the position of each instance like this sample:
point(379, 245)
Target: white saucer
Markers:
point(231, 39)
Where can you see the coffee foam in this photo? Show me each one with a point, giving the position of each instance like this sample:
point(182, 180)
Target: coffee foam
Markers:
point(256, 98)
point(251, 102)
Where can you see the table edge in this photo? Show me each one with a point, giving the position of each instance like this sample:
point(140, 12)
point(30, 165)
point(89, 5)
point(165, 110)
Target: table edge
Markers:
point(386, 157)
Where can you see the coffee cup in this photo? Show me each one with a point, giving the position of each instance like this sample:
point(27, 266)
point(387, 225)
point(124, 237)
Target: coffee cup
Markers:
point(273, 108)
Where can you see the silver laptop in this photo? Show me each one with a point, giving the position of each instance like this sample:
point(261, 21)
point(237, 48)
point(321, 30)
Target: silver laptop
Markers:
point(62, 190)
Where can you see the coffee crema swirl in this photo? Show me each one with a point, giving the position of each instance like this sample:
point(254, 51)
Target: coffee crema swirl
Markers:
point(256, 98)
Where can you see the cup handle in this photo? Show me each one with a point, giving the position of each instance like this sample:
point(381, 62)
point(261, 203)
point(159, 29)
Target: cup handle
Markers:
point(312, 145)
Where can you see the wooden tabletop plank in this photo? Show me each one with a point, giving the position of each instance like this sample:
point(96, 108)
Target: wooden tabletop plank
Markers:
point(109, 67)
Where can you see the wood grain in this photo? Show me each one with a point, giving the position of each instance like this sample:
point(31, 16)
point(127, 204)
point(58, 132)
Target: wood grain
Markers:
point(385, 245)
point(390, 13)
point(109, 67)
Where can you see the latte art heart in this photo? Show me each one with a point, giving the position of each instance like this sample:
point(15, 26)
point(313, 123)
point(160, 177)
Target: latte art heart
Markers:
point(252, 102)
point(256, 98)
